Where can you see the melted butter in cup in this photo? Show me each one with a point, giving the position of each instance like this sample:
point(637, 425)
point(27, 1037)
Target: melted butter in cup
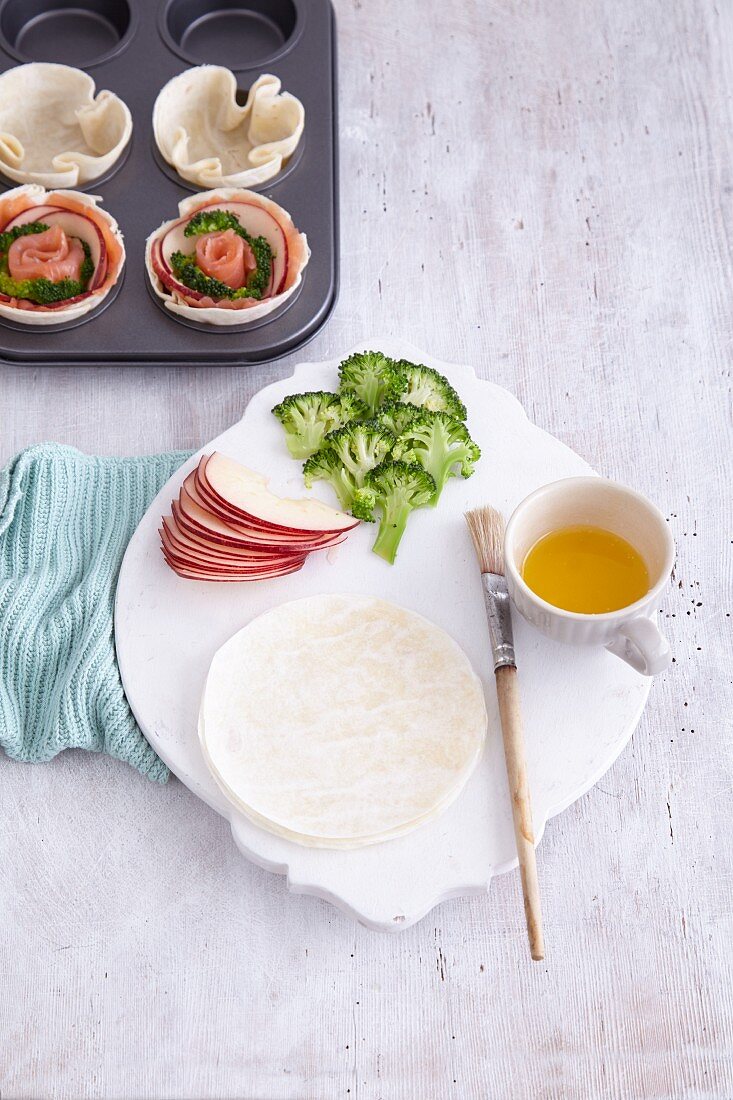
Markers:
point(586, 569)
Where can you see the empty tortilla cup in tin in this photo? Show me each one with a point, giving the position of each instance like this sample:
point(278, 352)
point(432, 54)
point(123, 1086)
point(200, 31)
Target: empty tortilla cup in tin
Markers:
point(54, 131)
point(211, 141)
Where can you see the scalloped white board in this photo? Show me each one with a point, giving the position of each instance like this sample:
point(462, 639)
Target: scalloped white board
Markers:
point(580, 706)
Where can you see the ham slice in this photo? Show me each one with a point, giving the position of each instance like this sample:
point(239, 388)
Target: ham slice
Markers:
point(50, 255)
point(225, 256)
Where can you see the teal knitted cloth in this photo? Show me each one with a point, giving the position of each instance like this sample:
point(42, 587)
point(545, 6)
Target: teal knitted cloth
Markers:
point(65, 521)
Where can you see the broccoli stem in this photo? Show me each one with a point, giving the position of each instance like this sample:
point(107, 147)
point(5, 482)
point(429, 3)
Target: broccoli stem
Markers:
point(343, 489)
point(391, 529)
point(308, 438)
point(306, 442)
point(372, 391)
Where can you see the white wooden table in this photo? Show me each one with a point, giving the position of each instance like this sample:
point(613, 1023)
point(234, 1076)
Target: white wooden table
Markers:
point(543, 188)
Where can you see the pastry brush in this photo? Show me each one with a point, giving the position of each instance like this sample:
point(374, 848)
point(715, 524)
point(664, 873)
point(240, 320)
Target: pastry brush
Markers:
point(486, 526)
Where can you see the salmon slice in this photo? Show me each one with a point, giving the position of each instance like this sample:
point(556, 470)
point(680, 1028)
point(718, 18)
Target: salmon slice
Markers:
point(225, 256)
point(49, 255)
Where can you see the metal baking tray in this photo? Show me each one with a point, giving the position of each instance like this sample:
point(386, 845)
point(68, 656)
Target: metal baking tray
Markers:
point(133, 47)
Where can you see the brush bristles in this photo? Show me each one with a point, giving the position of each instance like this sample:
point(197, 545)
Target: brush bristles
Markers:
point(486, 526)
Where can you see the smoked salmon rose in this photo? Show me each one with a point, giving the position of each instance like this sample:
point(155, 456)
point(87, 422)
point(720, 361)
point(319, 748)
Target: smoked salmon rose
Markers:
point(226, 256)
point(231, 257)
point(60, 255)
point(50, 254)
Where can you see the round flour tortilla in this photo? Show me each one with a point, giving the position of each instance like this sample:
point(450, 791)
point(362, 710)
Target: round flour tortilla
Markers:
point(338, 721)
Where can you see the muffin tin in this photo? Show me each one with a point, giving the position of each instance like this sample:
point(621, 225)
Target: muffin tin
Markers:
point(133, 47)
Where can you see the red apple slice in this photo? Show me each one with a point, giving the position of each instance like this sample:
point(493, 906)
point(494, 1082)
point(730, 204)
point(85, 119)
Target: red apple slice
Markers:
point(291, 540)
point(255, 479)
point(191, 519)
point(189, 513)
point(228, 512)
point(187, 542)
point(49, 307)
point(67, 301)
point(192, 573)
point(190, 562)
point(182, 546)
point(199, 521)
point(232, 520)
point(31, 214)
point(218, 559)
point(196, 542)
point(242, 490)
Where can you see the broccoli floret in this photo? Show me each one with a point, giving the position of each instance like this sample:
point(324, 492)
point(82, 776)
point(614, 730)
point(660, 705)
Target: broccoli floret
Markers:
point(345, 459)
point(352, 408)
point(211, 221)
point(259, 279)
point(398, 488)
point(360, 446)
point(363, 504)
point(373, 377)
point(308, 417)
point(42, 291)
point(326, 466)
point(86, 270)
point(396, 417)
point(441, 444)
point(429, 389)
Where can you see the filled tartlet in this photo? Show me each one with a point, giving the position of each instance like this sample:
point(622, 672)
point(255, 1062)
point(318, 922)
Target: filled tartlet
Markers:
point(60, 255)
point(231, 257)
point(54, 130)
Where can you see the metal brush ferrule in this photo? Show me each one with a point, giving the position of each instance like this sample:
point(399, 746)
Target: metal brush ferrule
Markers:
point(498, 613)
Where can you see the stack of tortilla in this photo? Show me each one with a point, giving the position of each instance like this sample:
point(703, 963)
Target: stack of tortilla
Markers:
point(339, 721)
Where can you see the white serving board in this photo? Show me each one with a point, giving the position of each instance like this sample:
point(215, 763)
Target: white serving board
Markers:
point(580, 706)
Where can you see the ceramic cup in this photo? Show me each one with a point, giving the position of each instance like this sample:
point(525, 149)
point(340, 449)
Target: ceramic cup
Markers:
point(629, 633)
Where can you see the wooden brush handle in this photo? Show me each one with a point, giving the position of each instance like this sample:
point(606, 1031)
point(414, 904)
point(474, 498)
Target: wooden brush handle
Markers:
point(507, 690)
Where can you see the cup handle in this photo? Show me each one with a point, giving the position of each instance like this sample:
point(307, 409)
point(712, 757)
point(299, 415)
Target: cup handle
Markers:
point(642, 645)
